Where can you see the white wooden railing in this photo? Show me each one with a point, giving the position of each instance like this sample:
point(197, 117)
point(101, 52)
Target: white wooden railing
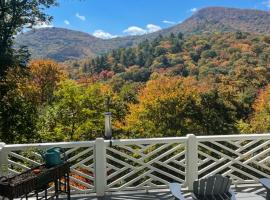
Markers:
point(133, 164)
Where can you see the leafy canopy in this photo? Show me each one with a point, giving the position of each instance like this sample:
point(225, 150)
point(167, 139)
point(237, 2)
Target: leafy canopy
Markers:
point(15, 15)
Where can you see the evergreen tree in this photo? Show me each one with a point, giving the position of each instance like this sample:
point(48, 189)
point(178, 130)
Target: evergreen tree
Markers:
point(140, 59)
point(180, 36)
point(176, 47)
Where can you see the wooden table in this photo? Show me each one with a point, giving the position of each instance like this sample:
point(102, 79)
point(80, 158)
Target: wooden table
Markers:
point(33, 184)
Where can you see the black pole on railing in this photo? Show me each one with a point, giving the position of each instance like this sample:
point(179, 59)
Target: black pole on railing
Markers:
point(108, 126)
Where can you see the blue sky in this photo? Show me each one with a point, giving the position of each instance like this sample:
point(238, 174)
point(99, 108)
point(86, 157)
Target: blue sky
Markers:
point(111, 18)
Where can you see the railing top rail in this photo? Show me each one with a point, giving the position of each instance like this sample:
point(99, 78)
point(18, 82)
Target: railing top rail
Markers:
point(140, 141)
point(147, 140)
point(48, 145)
point(234, 137)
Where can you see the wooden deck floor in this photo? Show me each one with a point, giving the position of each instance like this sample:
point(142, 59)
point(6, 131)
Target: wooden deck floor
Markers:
point(247, 192)
point(251, 192)
point(130, 196)
point(159, 196)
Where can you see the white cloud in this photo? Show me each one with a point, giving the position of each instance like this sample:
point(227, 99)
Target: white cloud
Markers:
point(81, 17)
point(168, 22)
point(267, 3)
point(193, 10)
point(66, 22)
point(42, 25)
point(104, 35)
point(135, 30)
point(152, 28)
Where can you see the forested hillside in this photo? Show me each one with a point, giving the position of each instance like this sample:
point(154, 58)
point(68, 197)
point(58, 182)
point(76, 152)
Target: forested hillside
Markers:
point(63, 44)
point(220, 54)
point(213, 79)
point(205, 84)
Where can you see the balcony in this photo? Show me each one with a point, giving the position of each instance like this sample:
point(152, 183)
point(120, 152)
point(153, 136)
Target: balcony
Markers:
point(143, 168)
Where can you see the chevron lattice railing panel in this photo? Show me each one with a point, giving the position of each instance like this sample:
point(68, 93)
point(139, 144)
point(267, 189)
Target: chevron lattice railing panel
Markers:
point(145, 164)
point(80, 155)
point(244, 160)
point(133, 164)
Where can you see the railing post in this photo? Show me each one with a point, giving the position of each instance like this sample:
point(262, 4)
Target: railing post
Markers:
point(100, 167)
point(3, 160)
point(191, 160)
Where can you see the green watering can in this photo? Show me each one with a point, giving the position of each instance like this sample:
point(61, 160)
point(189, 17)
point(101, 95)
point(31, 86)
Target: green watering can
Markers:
point(54, 156)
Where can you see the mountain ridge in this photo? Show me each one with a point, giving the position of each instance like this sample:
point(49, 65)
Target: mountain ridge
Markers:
point(62, 44)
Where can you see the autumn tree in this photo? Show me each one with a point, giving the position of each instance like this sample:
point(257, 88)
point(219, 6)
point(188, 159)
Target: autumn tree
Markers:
point(77, 112)
point(27, 95)
point(44, 78)
point(17, 114)
point(175, 106)
point(259, 121)
point(167, 107)
point(216, 117)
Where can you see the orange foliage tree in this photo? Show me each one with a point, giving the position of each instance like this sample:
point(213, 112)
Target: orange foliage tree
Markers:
point(175, 106)
point(167, 106)
point(28, 90)
point(44, 78)
point(260, 120)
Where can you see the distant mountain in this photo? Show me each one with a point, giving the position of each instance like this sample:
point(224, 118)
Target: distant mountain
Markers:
point(63, 44)
point(58, 43)
point(221, 19)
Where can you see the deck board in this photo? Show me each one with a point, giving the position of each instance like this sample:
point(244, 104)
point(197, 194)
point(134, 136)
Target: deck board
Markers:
point(246, 192)
point(163, 195)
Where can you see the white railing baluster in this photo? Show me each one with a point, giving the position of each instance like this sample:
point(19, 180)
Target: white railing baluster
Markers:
point(191, 160)
point(3, 160)
point(100, 167)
